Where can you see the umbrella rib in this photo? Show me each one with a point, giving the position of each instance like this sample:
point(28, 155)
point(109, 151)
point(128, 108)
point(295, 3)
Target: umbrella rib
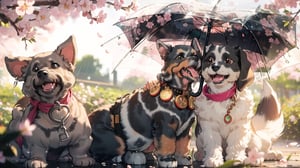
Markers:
point(117, 36)
point(125, 56)
point(259, 47)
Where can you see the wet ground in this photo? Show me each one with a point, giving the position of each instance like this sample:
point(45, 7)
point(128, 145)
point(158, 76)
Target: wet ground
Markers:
point(291, 151)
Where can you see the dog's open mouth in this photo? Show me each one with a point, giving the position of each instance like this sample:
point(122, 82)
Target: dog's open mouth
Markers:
point(48, 87)
point(190, 75)
point(217, 78)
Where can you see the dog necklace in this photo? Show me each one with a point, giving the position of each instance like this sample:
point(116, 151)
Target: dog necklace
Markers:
point(231, 93)
point(166, 94)
point(58, 109)
point(227, 116)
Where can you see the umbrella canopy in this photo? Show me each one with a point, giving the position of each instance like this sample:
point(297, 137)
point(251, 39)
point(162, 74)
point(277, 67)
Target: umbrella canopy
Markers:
point(264, 35)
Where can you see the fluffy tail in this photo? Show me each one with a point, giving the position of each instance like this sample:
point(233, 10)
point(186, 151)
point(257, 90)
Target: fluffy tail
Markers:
point(268, 121)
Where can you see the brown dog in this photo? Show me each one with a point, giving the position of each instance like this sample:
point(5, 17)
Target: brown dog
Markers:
point(61, 120)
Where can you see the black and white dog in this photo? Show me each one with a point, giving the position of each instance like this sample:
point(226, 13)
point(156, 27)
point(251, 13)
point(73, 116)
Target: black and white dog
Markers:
point(156, 119)
point(227, 124)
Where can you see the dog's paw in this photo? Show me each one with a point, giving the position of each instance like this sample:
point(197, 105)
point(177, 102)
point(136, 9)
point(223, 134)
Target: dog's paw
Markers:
point(35, 163)
point(254, 162)
point(167, 161)
point(83, 161)
point(274, 155)
point(135, 158)
point(183, 160)
point(151, 159)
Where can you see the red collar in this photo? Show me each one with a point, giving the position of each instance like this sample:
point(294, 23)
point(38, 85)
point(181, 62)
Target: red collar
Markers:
point(220, 96)
point(45, 107)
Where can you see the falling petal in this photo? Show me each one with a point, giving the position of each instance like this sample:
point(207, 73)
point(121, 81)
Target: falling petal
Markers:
point(26, 128)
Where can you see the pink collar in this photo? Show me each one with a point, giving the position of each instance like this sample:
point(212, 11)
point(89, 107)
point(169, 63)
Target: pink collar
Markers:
point(220, 96)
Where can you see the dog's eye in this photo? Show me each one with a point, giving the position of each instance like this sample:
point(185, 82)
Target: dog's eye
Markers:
point(35, 68)
point(54, 65)
point(229, 61)
point(180, 56)
point(210, 59)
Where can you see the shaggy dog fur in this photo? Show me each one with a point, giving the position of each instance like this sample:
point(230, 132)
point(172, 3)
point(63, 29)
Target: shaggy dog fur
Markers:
point(227, 124)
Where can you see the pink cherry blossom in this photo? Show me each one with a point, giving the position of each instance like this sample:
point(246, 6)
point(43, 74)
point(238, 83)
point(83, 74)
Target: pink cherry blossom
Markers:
point(101, 17)
point(117, 4)
point(25, 7)
point(143, 19)
point(65, 5)
point(2, 157)
point(255, 157)
point(86, 5)
point(43, 17)
point(268, 32)
point(26, 128)
point(101, 3)
point(167, 16)
point(149, 25)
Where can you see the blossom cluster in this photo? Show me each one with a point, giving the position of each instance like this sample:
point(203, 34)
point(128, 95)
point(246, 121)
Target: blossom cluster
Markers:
point(25, 17)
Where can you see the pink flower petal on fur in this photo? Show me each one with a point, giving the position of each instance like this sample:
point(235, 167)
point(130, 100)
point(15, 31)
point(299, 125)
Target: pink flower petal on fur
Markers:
point(26, 128)
point(255, 156)
point(2, 157)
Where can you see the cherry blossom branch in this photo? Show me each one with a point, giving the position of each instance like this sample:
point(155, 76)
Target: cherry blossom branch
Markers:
point(125, 8)
point(56, 3)
point(18, 15)
point(5, 19)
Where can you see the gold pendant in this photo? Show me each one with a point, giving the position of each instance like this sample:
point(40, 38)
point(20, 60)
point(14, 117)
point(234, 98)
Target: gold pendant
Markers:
point(154, 89)
point(192, 103)
point(181, 102)
point(166, 94)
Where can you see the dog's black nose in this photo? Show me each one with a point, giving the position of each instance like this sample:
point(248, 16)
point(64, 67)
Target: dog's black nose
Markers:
point(42, 74)
point(215, 67)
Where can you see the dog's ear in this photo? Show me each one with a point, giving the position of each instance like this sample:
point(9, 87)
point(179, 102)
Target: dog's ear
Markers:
point(196, 45)
point(17, 66)
point(68, 50)
point(246, 74)
point(163, 49)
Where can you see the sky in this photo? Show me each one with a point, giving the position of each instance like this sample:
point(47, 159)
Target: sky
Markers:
point(90, 37)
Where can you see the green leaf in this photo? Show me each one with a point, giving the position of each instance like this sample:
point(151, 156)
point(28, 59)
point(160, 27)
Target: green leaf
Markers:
point(32, 40)
point(4, 24)
point(286, 23)
point(230, 163)
point(289, 157)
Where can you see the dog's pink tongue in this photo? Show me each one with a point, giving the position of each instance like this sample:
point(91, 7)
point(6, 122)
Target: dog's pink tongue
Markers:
point(194, 72)
point(191, 72)
point(218, 78)
point(48, 87)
